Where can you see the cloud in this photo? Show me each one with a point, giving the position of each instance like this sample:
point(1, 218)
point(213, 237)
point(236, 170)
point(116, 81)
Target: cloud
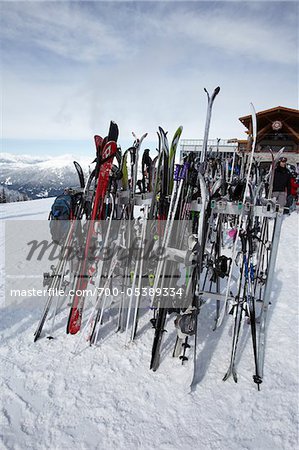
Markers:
point(89, 32)
point(70, 68)
point(239, 31)
point(67, 30)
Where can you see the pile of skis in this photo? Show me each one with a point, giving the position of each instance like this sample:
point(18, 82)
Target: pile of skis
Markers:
point(147, 234)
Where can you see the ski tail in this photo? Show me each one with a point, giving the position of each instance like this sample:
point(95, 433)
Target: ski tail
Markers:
point(113, 132)
point(98, 140)
point(208, 121)
point(80, 174)
point(172, 153)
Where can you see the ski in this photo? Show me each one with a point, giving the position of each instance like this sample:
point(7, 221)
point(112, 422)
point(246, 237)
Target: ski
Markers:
point(240, 307)
point(80, 174)
point(211, 100)
point(105, 164)
point(56, 280)
point(201, 237)
point(241, 216)
point(179, 178)
point(172, 153)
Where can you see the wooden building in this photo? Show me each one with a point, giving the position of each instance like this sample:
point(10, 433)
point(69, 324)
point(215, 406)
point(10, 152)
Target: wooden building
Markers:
point(277, 127)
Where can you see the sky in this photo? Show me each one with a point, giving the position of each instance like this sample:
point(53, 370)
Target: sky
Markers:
point(68, 68)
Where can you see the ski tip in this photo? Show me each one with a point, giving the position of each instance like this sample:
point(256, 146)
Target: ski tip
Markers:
point(252, 108)
point(192, 387)
point(235, 377)
point(218, 322)
point(226, 376)
point(154, 365)
point(73, 331)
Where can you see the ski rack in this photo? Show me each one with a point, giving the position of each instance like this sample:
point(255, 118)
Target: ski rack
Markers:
point(143, 199)
point(270, 209)
point(200, 253)
point(125, 197)
point(74, 190)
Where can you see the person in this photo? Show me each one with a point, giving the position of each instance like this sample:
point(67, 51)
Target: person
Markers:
point(212, 166)
point(146, 171)
point(281, 182)
point(294, 185)
point(293, 191)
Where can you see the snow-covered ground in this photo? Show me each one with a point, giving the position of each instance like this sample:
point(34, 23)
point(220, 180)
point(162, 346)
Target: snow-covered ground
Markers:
point(106, 397)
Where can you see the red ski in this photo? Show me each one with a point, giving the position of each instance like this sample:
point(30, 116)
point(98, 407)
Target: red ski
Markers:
point(104, 168)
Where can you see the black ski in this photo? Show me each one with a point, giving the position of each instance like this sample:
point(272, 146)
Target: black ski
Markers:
point(80, 174)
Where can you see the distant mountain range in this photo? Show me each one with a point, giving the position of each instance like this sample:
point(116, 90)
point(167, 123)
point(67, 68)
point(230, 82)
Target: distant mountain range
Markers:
point(39, 177)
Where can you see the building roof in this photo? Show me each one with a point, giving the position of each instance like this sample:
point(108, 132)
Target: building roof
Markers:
point(288, 117)
point(273, 113)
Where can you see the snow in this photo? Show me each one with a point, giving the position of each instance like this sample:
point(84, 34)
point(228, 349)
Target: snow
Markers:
point(106, 397)
point(44, 162)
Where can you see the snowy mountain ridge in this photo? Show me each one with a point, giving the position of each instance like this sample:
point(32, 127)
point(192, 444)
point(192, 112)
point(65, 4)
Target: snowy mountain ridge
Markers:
point(39, 177)
point(10, 158)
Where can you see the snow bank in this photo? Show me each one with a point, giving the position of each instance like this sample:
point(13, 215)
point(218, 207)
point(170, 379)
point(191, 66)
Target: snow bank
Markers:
point(107, 398)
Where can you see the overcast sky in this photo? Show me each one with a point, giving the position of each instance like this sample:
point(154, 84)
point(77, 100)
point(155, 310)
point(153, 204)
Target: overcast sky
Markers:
point(70, 67)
